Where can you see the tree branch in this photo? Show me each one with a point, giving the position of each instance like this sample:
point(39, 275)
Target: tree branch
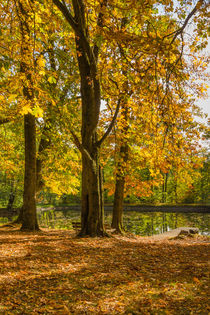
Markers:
point(78, 26)
point(180, 31)
point(98, 143)
point(100, 24)
point(4, 120)
point(80, 146)
point(63, 8)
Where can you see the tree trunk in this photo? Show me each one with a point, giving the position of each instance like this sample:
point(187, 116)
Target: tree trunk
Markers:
point(29, 218)
point(11, 197)
point(11, 201)
point(87, 56)
point(117, 220)
point(117, 216)
point(28, 211)
point(44, 144)
point(92, 215)
point(164, 187)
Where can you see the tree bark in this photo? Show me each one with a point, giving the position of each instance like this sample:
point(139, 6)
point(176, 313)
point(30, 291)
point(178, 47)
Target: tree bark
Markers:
point(92, 207)
point(28, 212)
point(92, 211)
point(29, 218)
point(44, 144)
point(87, 55)
point(117, 216)
point(164, 187)
point(11, 196)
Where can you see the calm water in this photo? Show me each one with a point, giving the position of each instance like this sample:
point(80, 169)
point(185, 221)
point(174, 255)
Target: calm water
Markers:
point(144, 223)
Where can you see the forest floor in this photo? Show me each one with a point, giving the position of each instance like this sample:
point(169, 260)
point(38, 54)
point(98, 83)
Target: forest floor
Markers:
point(53, 272)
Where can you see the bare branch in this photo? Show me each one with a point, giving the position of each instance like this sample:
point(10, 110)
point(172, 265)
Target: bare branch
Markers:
point(180, 31)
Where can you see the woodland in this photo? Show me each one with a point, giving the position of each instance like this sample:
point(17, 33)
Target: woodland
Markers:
point(98, 105)
point(99, 98)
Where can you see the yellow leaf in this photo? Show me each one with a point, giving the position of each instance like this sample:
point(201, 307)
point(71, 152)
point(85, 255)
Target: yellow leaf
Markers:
point(51, 80)
point(12, 98)
point(37, 111)
point(41, 63)
point(25, 110)
point(42, 72)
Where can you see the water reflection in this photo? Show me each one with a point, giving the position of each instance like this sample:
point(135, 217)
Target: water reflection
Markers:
point(159, 222)
point(139, 223)
point(144, 223)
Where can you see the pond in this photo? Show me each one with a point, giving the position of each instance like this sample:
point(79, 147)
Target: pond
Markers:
point(139, 223)
point(144, 223)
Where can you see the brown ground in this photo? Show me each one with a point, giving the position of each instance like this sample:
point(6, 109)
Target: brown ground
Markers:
point(52, 272)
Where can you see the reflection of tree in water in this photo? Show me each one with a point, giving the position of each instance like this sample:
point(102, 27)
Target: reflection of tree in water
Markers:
point(202, 221)
point(157, 222)
point(152, 223)
point(145, 223)
point(47, 218)
point(164, 224)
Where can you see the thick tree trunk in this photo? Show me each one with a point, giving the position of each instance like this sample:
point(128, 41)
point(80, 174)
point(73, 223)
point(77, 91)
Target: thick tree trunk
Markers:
point(29, 218)
point(27, 215)
point(87, 56)
point(43, 145)
point(92, 206)
point(92, 216)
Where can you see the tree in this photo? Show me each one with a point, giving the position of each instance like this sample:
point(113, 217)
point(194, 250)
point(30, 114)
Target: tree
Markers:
point(29, 218)
point(88, 47)
point(167, 69)
point(150, 49)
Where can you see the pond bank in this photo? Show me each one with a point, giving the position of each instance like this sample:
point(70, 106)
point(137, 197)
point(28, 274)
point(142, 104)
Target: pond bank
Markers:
point(138, 208)
point(149, 208)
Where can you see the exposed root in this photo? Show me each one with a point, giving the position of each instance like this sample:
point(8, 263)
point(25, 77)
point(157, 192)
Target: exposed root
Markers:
point(26, 229)
point(10, 225)
point(101, 233)
point(118, 231)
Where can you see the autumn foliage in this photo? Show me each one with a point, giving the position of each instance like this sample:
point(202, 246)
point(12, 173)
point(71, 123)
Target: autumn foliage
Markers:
point(103, 87)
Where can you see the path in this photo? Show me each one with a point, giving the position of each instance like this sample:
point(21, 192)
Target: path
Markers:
point(174, 233)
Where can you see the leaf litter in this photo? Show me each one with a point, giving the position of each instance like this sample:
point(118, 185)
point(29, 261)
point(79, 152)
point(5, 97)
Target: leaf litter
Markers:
point(53, 272)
